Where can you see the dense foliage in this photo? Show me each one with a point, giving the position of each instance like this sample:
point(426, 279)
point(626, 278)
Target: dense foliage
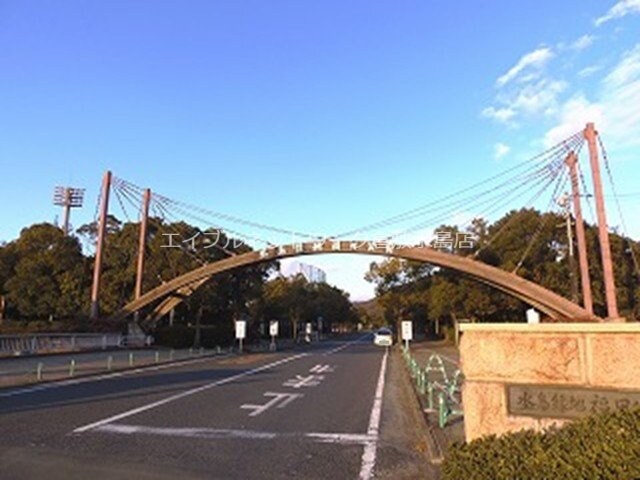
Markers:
point(45, 279)
point(605, 446)
point(535, 243)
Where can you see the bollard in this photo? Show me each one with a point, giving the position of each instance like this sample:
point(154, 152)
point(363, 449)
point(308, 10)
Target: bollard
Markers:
point(109, 363)
point(157, 357)
point(171, 355)
point(429, 396)
point(218, 351)
point(39, 371)
point(131, 359)
point(72, 368)
point(421, 382)
point(191, 352)
point(442, 410)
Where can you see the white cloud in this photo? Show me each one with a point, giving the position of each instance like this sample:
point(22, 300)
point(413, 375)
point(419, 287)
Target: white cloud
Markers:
point(535, 98)
point(590, 70)
point(628, 70)
point(583, 42)
point(615, 111)
point(619, 10)
point(525, 89)
point(532, 60)
point(539, 97)
point(500, 150)
point(574, 115)
point(500, 114)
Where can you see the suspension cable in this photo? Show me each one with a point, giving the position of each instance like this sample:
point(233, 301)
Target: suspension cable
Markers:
point(619, 208)
point(551, 152)
point(542, 223)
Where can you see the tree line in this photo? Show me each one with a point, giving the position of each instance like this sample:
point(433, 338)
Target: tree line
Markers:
point(45, 281)
point(534, 244)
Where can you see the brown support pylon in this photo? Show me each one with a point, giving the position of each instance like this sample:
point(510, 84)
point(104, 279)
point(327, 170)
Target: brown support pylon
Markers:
point(146, 198)
point(605, 249)
point(587, 299)
point(102, 231)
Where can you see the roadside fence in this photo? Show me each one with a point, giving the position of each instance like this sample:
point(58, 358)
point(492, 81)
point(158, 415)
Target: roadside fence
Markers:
point(440, 393)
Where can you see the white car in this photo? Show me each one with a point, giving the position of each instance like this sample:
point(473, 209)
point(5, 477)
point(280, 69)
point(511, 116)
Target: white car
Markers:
point(383, 337)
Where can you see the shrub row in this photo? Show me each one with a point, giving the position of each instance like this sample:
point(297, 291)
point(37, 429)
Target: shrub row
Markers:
point(605, 446)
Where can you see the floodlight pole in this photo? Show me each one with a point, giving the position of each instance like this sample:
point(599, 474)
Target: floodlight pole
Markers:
point(102, 231)
point(67, 210)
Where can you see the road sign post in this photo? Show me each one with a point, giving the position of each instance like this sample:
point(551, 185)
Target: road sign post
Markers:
point(307, 332)
point(273, 331)
point(241, 331)
point(407, 333)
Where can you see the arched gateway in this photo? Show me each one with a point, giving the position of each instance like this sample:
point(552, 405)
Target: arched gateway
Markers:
point(552, 304)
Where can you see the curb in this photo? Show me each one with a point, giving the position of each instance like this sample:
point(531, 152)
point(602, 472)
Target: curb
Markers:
point(435, 455)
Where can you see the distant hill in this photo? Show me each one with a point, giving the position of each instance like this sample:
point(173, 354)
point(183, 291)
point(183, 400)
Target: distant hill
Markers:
point(370, 312)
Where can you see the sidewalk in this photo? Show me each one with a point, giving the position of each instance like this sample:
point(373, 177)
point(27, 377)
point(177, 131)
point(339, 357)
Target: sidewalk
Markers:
point(40, 368)
point(454, 430)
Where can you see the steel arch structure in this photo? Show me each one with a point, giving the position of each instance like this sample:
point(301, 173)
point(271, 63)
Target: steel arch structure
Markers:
point(548, 302)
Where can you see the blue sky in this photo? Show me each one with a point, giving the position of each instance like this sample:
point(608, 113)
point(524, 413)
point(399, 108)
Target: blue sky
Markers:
point(314, 116)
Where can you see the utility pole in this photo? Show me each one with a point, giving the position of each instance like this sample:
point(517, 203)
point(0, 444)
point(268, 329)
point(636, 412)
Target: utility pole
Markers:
point(102, 231)
point(566, 206)
point(605, 249)
point(585, 278)
point(144, 217)
point(67, 198)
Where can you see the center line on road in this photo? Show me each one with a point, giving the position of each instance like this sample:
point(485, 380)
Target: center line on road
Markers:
point(342, 347)
point(184, 394)
point(369, 453)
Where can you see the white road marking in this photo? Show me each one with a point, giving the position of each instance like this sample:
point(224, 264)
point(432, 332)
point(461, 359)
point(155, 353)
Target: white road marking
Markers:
point(319, 368)
point(369, 454)
point(302, 381)
point(280, 400)
point(230, 434)
point(342, 438)
point(186, 432)
point(185, 394)
point(106, 376)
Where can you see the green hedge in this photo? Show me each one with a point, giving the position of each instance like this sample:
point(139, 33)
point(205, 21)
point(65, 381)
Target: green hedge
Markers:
point(182, 336)
point(605, 446)
point(176, 336)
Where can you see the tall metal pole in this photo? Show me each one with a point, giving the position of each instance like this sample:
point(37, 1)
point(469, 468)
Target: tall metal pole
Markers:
point(67, 210)
point(587, 299)
point(605, 249)
point(564, 202)
point(102, 231)
point(146, 198)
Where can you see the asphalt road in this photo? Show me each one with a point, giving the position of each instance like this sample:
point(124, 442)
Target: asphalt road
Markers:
point(332, 411)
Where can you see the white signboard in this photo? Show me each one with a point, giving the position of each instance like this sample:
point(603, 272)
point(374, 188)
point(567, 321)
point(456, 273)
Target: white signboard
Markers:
point(533, 316)
point(407, 331)
point(241, 329)
point(273, 328)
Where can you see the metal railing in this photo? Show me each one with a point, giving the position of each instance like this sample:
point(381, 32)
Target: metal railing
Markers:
point(37, 343)
point(441, 394)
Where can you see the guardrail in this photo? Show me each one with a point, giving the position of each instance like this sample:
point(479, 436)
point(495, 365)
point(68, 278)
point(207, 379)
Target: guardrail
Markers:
point(37, 343)
point(442, 394)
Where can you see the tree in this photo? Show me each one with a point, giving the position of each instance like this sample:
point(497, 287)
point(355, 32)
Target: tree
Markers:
point(50, 277)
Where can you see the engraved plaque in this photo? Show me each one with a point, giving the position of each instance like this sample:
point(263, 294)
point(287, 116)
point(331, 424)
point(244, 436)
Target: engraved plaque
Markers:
point(566, 402)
